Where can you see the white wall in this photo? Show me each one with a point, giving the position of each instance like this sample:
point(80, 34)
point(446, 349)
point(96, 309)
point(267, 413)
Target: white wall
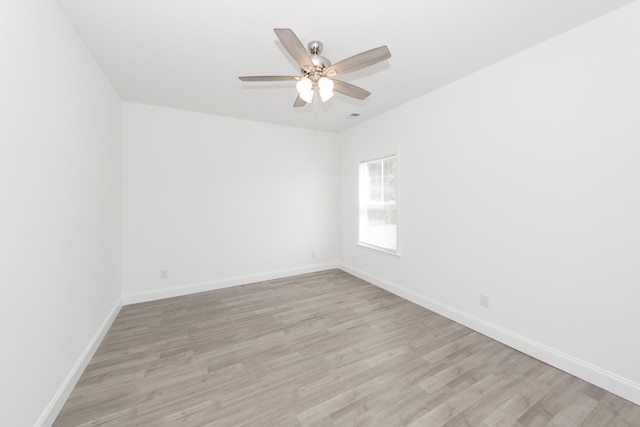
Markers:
point(522, 182)
point(217, 201)
point(60, 226)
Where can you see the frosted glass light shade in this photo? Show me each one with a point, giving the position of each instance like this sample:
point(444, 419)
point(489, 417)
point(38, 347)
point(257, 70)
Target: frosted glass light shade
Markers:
point(325, 95)
point(325, 87)
point(305, 89)
point(325, 84)
point(307, 96)
point(304, 85)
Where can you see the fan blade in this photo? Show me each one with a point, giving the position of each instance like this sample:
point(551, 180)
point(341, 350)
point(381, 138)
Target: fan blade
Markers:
point(299, 102)
point(294, 46)
point(349, 89)
point(361, 60)
point(267, 78)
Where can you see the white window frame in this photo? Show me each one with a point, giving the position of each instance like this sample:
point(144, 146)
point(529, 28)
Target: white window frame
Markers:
point(362, 203)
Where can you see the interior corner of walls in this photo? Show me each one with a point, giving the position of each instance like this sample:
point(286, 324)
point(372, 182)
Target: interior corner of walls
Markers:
point(596, 375)
point(57, 402)
point(212, 285)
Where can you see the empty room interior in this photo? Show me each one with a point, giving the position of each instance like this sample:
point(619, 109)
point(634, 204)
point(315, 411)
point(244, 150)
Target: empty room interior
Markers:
point(441, 228)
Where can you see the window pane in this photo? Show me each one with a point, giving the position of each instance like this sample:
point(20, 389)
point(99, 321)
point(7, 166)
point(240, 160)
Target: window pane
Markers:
point(375, 176)
point(389, 176)
point(378, 210)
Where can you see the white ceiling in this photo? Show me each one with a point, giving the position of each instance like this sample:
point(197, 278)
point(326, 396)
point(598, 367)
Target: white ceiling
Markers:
point(188, 54)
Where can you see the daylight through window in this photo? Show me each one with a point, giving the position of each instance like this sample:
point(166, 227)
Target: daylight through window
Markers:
point(378, 208)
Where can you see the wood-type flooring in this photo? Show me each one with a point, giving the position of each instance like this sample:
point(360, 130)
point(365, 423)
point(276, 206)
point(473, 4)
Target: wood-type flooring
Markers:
point(322, 349)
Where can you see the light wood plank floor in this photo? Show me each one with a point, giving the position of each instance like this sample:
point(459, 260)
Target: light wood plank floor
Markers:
point(323, 349)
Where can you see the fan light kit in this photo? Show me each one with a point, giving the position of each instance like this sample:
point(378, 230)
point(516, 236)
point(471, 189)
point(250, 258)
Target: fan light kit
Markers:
point(317, 71)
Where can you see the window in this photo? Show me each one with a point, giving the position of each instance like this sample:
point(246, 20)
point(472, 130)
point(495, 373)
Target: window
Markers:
point(378, 209)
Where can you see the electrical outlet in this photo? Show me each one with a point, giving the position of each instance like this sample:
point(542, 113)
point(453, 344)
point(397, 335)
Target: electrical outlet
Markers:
point(484, 301)
point(164, 274)
point(313, 254)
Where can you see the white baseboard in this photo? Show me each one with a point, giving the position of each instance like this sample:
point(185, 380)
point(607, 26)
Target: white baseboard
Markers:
point(55, 405)
point(156, 294)
point(595, 375)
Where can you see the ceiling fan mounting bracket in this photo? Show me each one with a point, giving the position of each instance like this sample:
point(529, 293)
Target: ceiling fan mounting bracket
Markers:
point(315, 47)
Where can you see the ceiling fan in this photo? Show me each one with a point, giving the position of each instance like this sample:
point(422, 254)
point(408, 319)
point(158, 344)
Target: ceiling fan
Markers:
point(317, 71)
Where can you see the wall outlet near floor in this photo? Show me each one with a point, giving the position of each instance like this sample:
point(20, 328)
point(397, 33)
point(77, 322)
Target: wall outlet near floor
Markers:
point(313, 254)
point(164, 274)
point(484, 301)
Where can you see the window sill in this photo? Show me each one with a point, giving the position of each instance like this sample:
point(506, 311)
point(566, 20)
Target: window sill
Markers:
point(379, 249)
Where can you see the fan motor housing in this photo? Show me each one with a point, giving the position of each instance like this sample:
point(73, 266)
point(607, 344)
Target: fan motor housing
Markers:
point(320, 62)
